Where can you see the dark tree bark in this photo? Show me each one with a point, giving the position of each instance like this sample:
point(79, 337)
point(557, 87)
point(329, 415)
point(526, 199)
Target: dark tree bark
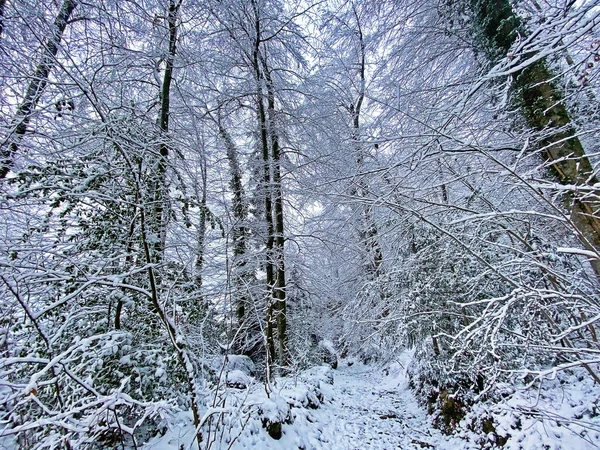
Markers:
point(369, 232)
point(276, 324)
point(203, 218)
point(10, 145)
point(264, 146)
point(270, 241)
point(279, 289)
point(159, 188)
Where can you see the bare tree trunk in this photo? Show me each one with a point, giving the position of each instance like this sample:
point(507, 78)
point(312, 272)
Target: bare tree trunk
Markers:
point(159, 188)
point(264, 145)
point(369, 232)
point(269, 257)
point(10, 145)
point(203, 217)
point(279, 289)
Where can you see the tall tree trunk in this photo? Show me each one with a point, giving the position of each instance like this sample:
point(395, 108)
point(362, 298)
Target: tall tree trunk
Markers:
point(543, 107)
point(270, 240)
point(159, 188)
point(198, 308)
point(276, 325)
point(202, 219)
point(247, 342)
point(279, 289)
point(368, 232)
point(10, 145)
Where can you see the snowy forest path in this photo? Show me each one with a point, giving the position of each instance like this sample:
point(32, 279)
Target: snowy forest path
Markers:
point(367, 408)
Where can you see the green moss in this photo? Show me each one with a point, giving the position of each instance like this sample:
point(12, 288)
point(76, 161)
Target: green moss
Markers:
point(451, 410)
point(543, 109)
point(488, 427)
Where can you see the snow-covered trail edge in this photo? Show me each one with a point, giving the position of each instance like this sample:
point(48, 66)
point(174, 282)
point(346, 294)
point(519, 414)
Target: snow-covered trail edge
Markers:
point(369, 408)
point(365, 408)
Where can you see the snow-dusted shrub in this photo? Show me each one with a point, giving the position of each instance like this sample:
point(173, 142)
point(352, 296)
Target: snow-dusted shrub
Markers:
point(238, 379)
point(317, 374)
point(105, 392)
point(91, 357)
point(325, 353)
point(274, 412)
point(543, 414)
point(234, 362)
point(303, 396)
point(446, 397)
point(482, 319)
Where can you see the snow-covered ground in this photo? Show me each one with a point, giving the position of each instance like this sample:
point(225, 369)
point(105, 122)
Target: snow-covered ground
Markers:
point(371, 409)
point(367, 407)
point(364, 408)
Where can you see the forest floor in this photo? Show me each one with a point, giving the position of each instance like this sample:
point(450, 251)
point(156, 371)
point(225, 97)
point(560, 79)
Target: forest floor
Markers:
point(370, 407)
point(365, 408)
